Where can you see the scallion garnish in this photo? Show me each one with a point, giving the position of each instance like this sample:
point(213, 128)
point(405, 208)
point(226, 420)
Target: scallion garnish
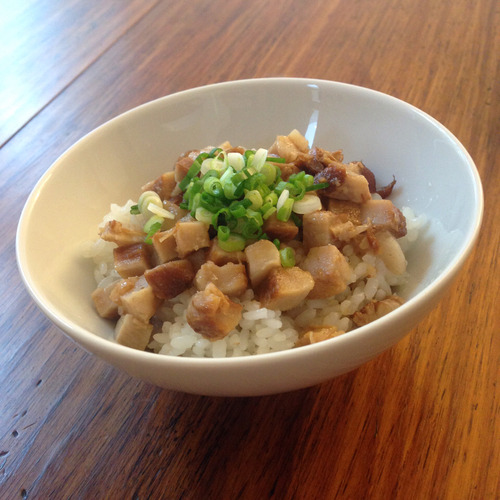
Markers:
point(287, 256)
point(235, 193)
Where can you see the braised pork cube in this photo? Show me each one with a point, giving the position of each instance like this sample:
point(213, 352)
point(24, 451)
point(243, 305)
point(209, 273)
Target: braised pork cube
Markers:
point(287, 170)
point(141, 302)
point(171, 278)
point(289, 146)
point(316, 228)
point(348, 210)
point(384, 215)
point(165, 245)
point(376, 309)
point(191, 235)
point(198, 258)
point(177, 212)
point(318, 335)
point(221, 257)
point(262, 257)
point(230, 279)
point(106, 308)
point(285, 288)
point(115, 232)
point(283, 230)
point(184, 162)
point(132, 332)
point(344, 184)
point(164, 186)
point(131, 260)
point(212, 314)
point(329, 269)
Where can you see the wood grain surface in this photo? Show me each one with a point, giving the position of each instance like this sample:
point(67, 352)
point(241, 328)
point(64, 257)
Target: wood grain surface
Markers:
point(421, 421)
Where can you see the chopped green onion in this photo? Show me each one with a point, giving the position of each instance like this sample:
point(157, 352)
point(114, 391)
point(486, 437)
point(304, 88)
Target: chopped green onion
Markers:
point(156, 210)
point(287, 256)
point(268, 213)
point(259, 158)
point(134, 210)
point(308, 204)
point(234, 243)
point(285, 211)
point(152, 226)
point(213, 186)
point(223, 233)
point(203, 215)
point(277, 243)
point(282, 199)
point(320, 185)
point(275, 159)
point(236, 160)
point(269, 171)
point(255, 197)
point(146, 198)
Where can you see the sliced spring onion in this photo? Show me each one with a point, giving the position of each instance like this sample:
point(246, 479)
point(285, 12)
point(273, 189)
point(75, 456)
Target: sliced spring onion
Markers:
point(152, 231)
point(285, 211)
point(259, 159)
point(255, 197)
point(236, 160)
point(203, 215)
point(282, 199)
point(223, 233)
point(235, 193)
point(156, 210)
point(134, 210)
point(146, 198)
point(308, 204)
point(315, 187)
point(234, 243)
point(287, 257)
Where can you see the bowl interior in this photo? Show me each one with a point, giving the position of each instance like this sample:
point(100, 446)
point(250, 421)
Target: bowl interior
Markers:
point(435, 175)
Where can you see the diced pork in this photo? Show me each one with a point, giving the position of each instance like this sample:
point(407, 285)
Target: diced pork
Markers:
point(171, 278)
point(115, 232)
point(198, 258)
point(183, 163)
point(344, 184)
point(262, 257)
point(316, 228)
point(212, 314)
point(230, 279)
point(221, 257)
point(283, 230)
point(132, 260)
point(165, 245)
point(289, 146)
point(376, 309)
point(132, 332)
point(106, 308)
point(191, 235)
point(346, 209)
point(330, 270)
point(164, 186)
point(384, 215)
point(141, 302)
point(318, 335)
point(285, 288)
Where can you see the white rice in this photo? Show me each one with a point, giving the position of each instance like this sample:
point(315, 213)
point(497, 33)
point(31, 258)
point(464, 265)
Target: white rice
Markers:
point(260, 330)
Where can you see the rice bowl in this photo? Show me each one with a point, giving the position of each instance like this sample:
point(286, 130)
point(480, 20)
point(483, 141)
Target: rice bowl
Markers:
point(437, 176)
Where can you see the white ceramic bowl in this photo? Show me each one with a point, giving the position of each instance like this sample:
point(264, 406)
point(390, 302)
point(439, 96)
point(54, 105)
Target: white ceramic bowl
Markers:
point(435, 175)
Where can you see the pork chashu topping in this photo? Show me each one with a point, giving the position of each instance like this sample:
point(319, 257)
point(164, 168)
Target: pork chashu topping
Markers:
point(350, 214)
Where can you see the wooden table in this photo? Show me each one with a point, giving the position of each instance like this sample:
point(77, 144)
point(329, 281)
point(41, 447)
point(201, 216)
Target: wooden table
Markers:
point(419, 422)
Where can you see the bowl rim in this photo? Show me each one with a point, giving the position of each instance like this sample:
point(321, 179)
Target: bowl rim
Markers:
point(95, 343)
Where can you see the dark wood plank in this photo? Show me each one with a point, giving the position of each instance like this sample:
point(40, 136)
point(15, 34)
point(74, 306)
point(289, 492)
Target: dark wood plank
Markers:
point(45, 45)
